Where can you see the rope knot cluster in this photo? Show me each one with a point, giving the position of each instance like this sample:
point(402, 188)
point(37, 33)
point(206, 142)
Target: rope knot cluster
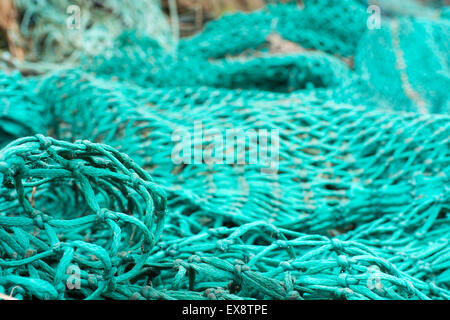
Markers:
point(113, 205)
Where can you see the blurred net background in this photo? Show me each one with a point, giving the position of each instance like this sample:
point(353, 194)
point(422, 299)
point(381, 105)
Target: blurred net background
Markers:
point(93, 205)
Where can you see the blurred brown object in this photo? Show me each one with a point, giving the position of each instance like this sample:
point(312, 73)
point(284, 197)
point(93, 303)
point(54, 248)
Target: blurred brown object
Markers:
point(217, 7)
point(193, 14)
point(8, 23)
point(7, 13)
point(278, 45)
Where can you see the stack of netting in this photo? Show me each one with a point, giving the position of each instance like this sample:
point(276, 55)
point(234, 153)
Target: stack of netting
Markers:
point(60, 30)
point(339, 188)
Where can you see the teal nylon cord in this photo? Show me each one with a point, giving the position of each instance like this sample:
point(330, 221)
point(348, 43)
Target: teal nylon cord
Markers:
point(93, 206)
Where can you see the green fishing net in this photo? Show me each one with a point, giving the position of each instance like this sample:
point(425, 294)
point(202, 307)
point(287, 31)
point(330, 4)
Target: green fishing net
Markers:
point(52, 31)
point(118, 181)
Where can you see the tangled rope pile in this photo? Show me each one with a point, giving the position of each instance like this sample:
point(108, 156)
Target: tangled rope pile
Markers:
point(45, 33)
point(352, 200)
point(110, 219)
